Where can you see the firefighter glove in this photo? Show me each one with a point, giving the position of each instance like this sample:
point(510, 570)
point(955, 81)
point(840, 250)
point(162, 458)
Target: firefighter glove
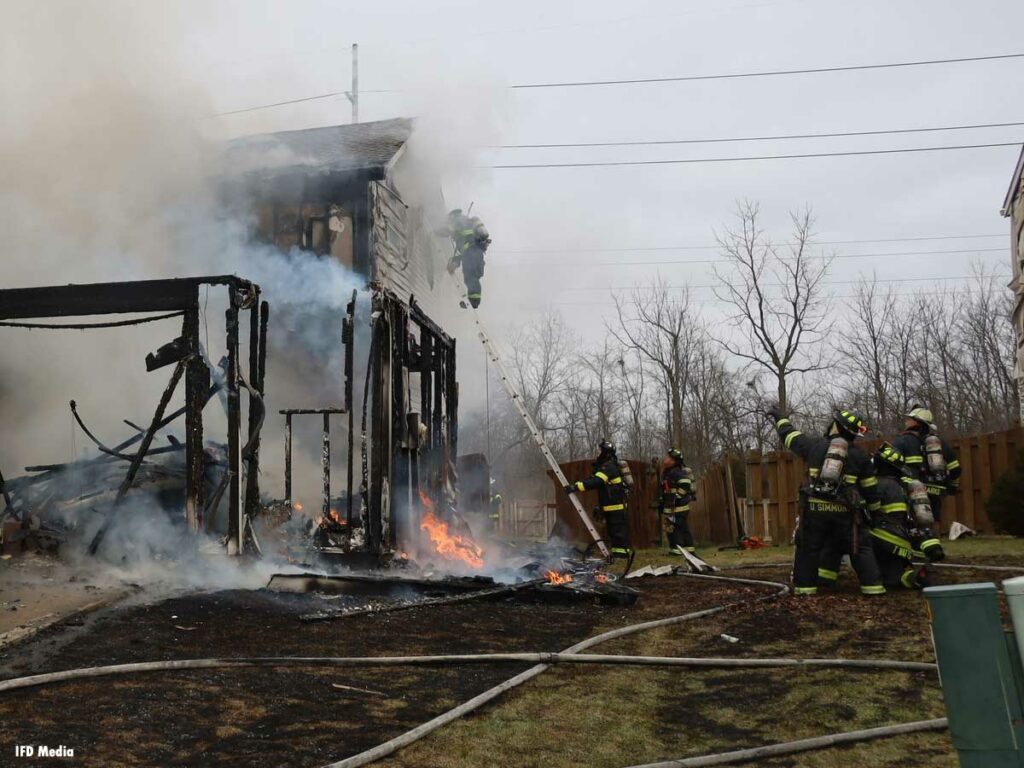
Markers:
point(570, 489)
point(775, 414)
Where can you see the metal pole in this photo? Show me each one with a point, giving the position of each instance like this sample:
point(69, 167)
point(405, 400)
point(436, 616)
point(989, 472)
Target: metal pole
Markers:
point(326, 460)
point(288, 463)
point(354, 98)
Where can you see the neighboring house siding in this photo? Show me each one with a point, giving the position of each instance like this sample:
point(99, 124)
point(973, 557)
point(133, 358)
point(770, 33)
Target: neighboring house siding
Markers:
point(1017, 246)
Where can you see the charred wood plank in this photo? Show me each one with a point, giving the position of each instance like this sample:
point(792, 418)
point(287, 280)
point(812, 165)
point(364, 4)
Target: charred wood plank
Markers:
point(147, 440)
point(109, 298)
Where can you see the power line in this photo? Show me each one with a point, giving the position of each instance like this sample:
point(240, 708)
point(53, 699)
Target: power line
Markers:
point(786, 137)
point(717, 247)
point(771, 73)
point(725, 260)
point(828, 282)
point(754, 157)
point(709, 300)
point(691, 78)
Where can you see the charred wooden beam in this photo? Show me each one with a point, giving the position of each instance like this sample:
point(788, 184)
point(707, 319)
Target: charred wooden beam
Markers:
point(288, 462)
point(171, 352)
point(349, 339)
point(235, 529)
point(311, 411)
point(325, 461)
point(133, 468)
point(257, 411)
point(109, 298)
point(197, 394)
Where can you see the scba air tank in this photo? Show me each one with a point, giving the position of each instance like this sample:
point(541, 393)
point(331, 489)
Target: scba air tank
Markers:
point(920, 504)
point(935, 459)
point(831, 474)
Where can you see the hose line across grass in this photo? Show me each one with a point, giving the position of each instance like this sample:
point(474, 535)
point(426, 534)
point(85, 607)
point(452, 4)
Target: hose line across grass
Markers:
point(543, 662)
point(804, 745)
point(181, 665)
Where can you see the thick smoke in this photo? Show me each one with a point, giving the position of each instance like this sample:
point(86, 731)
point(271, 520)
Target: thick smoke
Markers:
point(107, 177)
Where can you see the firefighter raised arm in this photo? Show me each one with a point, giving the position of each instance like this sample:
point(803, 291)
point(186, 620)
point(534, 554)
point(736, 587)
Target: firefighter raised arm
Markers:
point(839, 474)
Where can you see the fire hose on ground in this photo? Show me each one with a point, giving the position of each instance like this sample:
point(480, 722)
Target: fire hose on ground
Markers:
point(543, 662)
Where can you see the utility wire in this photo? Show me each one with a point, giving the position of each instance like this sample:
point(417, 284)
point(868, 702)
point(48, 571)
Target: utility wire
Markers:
point(717, 247)
point(754, 157)
point(709, 300)
point(786, 137)
point(724, 260)
point(828, 282)
point(729, 76)
point(770, 73)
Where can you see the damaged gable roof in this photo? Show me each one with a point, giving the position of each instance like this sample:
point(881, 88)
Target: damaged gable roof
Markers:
point(362, 146)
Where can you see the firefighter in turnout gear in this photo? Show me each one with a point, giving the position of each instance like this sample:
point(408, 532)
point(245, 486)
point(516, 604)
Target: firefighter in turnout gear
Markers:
point(900, 527)
point(676, 495)
point(470, 239)
point(610, 485)
point(840, 478)
point(929, 458)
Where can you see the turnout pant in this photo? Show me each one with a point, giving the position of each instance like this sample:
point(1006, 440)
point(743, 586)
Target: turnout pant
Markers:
point(679, 530)
point(472, 271)
point(834, 531)
point(617, 525)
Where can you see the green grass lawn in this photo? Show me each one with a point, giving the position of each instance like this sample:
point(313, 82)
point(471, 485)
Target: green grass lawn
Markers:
point(610, 717)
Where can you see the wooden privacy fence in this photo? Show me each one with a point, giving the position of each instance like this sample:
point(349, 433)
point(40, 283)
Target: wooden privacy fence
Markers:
point(713, 517)
point(526, 519)
point(774, 479)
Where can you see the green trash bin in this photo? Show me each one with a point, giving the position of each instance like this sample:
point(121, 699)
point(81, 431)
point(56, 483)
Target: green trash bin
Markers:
point(980, 672)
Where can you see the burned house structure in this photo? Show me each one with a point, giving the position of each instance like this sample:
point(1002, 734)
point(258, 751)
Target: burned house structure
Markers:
point(208, 482)
point(333, 193)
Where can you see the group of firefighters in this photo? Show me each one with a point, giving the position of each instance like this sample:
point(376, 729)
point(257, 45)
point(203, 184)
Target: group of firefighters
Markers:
point(881, 510)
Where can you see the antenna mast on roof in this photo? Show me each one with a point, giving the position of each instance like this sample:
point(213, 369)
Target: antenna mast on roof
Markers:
point(353, 95)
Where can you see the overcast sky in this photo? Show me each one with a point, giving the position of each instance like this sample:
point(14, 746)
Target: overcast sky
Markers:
point(457, 58)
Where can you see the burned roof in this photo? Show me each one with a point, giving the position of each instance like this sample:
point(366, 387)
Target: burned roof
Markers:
point(362, 146)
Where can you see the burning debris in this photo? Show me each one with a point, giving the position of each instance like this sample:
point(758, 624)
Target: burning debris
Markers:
point(450, 546)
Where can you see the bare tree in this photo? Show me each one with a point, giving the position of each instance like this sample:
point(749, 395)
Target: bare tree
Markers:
point(865, 346)
point(777, 297)
point(659, 326)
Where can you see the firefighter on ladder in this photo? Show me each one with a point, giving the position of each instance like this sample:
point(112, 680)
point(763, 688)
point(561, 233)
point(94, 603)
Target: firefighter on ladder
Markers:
point(929, 457)
point(610, 483)
point(839, 477)
point(470, 239)
point(676, 495)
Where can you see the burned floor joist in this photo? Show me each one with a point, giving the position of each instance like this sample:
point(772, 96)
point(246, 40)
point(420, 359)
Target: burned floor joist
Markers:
point(179, 297)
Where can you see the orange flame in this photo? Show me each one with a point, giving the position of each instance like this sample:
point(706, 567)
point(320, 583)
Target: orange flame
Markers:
point(554, 577)
point(449, 545)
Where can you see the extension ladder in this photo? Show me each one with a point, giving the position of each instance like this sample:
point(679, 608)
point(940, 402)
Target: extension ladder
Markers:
point(517, 400)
